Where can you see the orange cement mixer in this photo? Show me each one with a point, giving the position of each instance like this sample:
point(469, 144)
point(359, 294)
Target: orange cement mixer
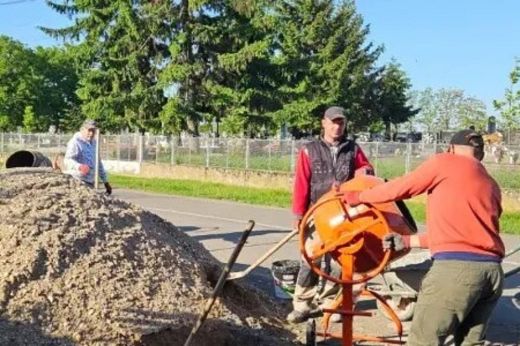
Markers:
point(353, 236)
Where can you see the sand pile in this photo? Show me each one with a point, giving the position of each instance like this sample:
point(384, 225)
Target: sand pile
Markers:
point(79, 268)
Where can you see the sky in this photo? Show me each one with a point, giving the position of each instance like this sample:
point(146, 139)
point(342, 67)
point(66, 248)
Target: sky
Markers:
point(465, 44)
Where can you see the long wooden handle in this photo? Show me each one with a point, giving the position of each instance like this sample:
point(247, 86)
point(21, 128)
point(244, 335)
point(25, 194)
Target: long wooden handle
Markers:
point(241, 274)
point(221, 281)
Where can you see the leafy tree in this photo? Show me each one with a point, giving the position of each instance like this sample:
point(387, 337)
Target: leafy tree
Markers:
point(509, 107)
point(56, 98)
point(472, 112)
point(393, 105)
point(4, 123)
point(446, 109)
point(30, 123)
point(43, 79)
point(18, 80)
point(448, 102)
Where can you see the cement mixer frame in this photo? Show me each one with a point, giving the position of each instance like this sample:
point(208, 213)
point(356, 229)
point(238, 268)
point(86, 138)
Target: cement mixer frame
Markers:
point(352, 236)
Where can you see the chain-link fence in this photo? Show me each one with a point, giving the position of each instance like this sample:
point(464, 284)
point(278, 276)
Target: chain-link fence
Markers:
point(390, 159)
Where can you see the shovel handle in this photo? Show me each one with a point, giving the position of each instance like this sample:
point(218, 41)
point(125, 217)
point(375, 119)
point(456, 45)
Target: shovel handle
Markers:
point(221, 281)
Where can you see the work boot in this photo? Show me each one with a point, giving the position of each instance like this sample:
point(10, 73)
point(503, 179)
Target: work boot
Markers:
point(298, 316)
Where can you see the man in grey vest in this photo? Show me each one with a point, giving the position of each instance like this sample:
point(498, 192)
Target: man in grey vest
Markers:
point(322, 164)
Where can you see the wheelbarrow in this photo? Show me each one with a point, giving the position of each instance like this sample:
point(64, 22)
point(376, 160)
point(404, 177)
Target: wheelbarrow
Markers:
point(402, 279)
point(401, 282)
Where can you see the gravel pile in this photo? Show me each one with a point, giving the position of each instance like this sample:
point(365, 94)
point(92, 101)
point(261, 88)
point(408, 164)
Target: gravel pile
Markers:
point(77, 267)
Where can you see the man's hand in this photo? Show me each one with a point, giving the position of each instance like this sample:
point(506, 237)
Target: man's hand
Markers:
point(108, 189)
point(84, 169)
point(396, 242)
point(351, 198)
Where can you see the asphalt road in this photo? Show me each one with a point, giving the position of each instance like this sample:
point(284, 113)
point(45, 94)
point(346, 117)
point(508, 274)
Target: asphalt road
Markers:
point(219, 224)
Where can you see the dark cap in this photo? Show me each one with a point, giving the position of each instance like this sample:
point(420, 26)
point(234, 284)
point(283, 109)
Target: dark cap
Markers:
point(89, 124)
point(463, 137)
point(334, 112)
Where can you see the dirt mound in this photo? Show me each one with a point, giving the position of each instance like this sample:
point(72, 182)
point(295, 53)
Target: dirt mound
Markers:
point(79, 268)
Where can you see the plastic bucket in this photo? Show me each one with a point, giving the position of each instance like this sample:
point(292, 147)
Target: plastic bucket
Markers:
point(285, 273)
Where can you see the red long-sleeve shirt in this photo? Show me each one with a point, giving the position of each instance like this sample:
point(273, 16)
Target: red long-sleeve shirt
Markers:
point(463, 205)
point(302, 178)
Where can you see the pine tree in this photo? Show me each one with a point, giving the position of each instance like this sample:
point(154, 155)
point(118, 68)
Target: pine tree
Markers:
point(325, 60)
point(393, 104)
point(120, 50)
point(220, 66)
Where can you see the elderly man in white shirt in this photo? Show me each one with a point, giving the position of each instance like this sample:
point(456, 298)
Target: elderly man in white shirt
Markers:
point(80, 156)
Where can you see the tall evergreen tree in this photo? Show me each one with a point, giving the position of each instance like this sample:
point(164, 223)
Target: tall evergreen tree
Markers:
point(219, 70)
point(121, 49)
point(392, 104)
point(325, 59)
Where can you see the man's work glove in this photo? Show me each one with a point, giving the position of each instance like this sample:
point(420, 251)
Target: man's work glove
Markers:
point(83, 169)
point(396, 242)
point(351, 198)
point(108, 189)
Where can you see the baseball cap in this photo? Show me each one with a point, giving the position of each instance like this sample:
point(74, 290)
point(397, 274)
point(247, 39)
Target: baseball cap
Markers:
point(334, 112)
point(463, 137)
point(89, 124)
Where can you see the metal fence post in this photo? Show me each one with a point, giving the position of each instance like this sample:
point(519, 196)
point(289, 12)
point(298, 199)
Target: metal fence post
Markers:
point(293, 146)
point(118, 144)
point(190, 145)
point(247, 153)
point(227, 153)
point(207, 152)
point(140, 149)
point(157, 151)
point(408, 157)
point(38, 140)
point(269, 145)
point(172, 156)
point(376, 158)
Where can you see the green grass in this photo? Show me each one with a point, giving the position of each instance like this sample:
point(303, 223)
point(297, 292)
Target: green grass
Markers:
point(510, 221)
point(194, 188)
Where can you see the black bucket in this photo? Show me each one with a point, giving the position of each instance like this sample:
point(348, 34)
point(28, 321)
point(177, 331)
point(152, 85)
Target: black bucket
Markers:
point(27, 158)
point(285, 273)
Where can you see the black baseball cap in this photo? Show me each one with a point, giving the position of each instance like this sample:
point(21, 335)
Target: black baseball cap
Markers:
point(463, 137)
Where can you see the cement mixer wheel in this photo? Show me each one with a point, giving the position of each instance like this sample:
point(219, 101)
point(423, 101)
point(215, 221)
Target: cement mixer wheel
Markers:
point(403, 307)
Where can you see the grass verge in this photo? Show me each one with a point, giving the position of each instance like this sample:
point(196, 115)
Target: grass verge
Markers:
point(195, 188)
point(510, 221)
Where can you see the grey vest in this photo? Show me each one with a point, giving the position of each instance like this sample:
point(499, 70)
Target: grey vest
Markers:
point(329, 167)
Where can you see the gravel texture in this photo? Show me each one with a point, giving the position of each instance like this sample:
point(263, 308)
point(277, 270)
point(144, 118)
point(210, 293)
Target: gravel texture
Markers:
point(77, 267)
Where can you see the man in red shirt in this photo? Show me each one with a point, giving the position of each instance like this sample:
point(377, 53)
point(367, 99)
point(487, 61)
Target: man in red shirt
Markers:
point(321, 164)
point(463, 209)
